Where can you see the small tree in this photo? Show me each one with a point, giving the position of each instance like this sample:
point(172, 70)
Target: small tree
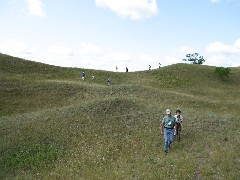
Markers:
point(222, 72)
point(194, 58)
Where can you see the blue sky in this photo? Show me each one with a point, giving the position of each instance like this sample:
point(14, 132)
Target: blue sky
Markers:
point(103, 34)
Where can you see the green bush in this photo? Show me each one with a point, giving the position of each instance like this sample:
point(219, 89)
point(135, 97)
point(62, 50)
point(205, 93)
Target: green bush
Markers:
point(222, 72)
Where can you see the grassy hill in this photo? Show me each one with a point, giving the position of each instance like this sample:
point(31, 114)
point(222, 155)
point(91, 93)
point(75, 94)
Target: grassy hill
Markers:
point(54, 125)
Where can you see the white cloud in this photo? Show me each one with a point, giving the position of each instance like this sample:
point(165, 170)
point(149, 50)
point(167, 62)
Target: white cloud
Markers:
point(60, 49)
point(223, 60)
point(90, 48)
point(217, 54)
point(220, 47)
point(224, 54)
point(35, 8)
point(171, 60)
point(117, 57)
point(59, 54)
point(94, 57)
point(185, 50)
point(133, 9)
point(13, 45)
point(215, 60)
point(177, 56)
point(237, 44)
point(148, 58)
point(122, 60)
point(16, 48)
point(110, 60)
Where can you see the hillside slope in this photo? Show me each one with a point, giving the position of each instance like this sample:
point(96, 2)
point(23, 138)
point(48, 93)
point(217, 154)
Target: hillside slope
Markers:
point(54, 125)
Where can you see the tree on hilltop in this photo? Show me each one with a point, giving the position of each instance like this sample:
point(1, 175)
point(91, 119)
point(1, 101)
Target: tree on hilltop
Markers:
point(194, 58)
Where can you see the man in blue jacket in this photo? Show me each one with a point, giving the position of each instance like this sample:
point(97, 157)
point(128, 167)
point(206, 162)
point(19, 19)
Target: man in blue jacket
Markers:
point(83, 75)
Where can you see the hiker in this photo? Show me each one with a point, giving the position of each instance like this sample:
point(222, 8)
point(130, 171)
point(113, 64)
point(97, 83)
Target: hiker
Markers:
point(159, 65)
point(126, 69)
point(108, 81)
point(167, 125)
point(116, 69)
point(150, 67)
point(179, 119)
point(83, 75)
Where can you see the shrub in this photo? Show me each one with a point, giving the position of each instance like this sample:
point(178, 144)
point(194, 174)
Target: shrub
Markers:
point(222, 72)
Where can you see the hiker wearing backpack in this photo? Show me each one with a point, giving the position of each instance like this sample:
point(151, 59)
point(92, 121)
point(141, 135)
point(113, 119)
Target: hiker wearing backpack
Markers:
point(167, 128)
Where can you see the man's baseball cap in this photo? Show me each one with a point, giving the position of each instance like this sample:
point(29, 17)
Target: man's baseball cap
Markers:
point(168, 111)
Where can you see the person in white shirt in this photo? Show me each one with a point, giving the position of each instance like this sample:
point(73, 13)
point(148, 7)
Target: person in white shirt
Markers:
point(179, 120)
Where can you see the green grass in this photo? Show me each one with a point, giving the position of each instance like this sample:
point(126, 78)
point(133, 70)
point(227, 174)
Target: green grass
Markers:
point(30, 157)
point(53, 125)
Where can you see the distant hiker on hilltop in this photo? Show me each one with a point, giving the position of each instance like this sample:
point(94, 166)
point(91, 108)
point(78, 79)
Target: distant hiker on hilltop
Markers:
point(126, 69)
point(159, 65)
point(83, 75)
point(167, 127)
point(116, 69)
point(108, 81)
point(149, 67)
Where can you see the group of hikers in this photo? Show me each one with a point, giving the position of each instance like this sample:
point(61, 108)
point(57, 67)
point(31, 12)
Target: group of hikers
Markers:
point(169, 127)
point(109, 79)
point(93, 78)
point(149, 67)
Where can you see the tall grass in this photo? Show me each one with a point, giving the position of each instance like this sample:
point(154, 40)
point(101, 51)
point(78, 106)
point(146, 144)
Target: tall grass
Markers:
point(53, 125)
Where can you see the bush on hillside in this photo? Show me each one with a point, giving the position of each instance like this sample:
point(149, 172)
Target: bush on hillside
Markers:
point(222, 72)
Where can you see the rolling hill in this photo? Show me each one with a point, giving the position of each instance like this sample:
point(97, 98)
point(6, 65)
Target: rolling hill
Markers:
point(54, 125)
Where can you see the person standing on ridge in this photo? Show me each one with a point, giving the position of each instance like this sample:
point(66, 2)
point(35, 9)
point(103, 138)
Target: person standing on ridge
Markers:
point(167, 128)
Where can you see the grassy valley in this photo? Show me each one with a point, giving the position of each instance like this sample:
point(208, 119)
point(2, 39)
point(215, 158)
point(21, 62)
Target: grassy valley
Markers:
point(54, 125)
